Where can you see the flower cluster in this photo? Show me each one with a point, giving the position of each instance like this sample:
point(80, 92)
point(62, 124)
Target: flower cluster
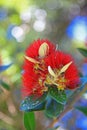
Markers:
point(45, 66)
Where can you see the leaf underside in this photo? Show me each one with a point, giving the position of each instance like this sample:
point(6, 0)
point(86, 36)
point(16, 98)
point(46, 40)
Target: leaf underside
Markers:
point(32, 103)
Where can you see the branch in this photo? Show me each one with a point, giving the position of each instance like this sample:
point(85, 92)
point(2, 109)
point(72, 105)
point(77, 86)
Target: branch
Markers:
point(72, 100)
point(6, 118)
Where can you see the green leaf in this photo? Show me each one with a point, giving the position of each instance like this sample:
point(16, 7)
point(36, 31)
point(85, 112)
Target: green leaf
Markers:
point(40, 107)
point(29, 120)
point(83, 51)
point(53, 108)
point(82, 109)
point(33, 103)
point(4, 85)
point(59, 96)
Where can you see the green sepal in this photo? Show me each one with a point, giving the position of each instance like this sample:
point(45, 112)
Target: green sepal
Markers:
point(58, 96)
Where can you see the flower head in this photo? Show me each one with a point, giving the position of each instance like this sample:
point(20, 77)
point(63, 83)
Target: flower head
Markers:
point(36, 53)
point(34, 66)
point(62, 71)
point(45, 67)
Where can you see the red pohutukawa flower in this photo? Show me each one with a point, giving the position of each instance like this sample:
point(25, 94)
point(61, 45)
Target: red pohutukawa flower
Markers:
point(45, 66)
point(62, 72)
point(34, 66)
